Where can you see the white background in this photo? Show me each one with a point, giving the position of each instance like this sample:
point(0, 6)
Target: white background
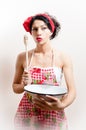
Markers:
point(71, 39)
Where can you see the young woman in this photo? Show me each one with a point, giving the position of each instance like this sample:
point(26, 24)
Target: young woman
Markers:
point(45, 66)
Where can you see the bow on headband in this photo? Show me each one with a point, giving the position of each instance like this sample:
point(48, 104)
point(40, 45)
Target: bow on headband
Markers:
point(26, 23)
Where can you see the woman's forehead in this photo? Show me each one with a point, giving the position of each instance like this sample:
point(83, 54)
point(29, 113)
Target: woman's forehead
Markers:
point(38, 23)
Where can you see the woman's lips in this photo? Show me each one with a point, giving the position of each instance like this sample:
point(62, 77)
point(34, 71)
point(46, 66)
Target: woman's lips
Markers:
point(39, 39)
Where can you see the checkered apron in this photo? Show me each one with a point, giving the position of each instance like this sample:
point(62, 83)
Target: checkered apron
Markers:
point(28, 117)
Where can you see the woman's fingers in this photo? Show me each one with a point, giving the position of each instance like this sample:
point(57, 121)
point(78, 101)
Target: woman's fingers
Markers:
point(26, 78)
point(48, 103)
point(42, 103)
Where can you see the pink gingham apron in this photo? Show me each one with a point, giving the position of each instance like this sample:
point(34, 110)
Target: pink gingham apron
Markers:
point(28, 117)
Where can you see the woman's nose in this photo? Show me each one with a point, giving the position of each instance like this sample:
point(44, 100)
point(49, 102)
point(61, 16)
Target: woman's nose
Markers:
point(39, 31)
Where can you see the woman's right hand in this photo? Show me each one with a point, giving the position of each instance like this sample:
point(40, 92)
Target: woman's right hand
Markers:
point(26, 78)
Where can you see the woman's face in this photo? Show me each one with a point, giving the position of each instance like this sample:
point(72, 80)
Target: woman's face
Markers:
point(40, 32)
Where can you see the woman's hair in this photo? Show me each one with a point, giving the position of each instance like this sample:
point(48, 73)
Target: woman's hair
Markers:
point(49, 20)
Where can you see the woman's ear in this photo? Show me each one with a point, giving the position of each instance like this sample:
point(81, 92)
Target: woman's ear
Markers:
point(50, 33)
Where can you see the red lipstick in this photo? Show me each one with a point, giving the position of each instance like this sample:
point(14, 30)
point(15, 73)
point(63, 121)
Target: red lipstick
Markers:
point(39, 39)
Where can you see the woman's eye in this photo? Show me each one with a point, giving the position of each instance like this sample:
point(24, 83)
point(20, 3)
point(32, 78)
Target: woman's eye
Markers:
point(34, 29)
point(43, 28)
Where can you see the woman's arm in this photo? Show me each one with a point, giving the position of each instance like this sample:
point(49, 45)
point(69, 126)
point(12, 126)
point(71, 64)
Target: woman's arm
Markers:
point(69, 79)
point(18, 87)
point(21, 77)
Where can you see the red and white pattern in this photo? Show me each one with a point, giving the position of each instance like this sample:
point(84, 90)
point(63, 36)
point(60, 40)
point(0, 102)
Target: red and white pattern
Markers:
point(28, 117)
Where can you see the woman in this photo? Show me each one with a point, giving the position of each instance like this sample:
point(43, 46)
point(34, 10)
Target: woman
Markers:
point(45, 66)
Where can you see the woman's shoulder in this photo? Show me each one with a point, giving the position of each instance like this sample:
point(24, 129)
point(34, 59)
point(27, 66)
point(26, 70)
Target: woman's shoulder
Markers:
point(63, 57)
point(21, 57)
point(22, 54)
point(66, 59)
point(60, 53)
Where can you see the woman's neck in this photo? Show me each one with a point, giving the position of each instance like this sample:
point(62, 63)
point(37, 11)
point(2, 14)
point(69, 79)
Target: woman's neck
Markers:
point(44, 48)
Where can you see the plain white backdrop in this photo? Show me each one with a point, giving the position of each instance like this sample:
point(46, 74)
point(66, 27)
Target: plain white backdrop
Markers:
point(71, 39)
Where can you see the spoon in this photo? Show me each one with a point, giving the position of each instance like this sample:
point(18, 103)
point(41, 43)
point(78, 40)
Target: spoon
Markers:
point(26, 49)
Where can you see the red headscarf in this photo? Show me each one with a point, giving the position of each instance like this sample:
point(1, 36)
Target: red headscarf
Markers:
point(26, 23)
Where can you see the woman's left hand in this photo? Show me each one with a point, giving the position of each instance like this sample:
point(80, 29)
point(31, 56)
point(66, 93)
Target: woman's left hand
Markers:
point(48, 102)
